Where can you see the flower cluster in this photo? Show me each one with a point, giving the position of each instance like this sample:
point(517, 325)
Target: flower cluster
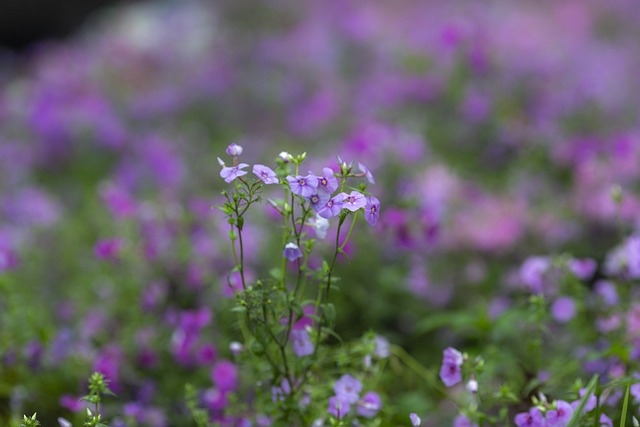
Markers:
point(347, 393)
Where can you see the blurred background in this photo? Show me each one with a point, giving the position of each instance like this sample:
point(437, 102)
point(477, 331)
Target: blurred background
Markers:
point(496, 131)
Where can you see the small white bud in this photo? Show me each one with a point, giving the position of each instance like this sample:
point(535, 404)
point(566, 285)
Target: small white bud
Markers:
point(472, 386)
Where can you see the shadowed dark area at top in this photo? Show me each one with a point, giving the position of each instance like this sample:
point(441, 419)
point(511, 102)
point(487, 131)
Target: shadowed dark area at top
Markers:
point(26, 22)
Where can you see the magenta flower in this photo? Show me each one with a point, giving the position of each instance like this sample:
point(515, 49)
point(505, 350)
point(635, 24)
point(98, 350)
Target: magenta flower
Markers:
point(318, 200)
point(332, 207)
point(225, 376)
point(304, 186)
point(369, 405)
point(367, 173)
point(348, 388)
point(108, 249)
point(327, 182)
point(372, 210)
point(560, 416)
point(231, 173)
point(292, 252)
point(234, 150)
point(353, 201)
point(338, 407)
point(450, 372)
point(265, 173)
point(302, 345)
point(533, 418)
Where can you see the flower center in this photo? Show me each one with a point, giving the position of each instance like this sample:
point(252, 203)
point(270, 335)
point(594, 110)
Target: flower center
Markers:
point(302, 181)
point(314, 199)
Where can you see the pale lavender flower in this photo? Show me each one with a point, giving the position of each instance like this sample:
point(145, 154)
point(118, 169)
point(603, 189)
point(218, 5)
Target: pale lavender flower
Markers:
point(589, 405)
point(348, 388)
point(382, 347)
point(304, 186)
point(327, 182)
point(415, 420)
point(372, 210)
point(318, 200)
point(367, 173)
point(560, 416)
point(605, 421)
point(533, 271)
point(321, 226)
point(292, 252)
point(607, 291)
point(533, 418)
point(234, 150)
point(332, 207)
point(369, 405)
point(583, 268)
point(231, 173)
point(265, 173)
point(462, 421)
point(302, 344)
point(338, 407)
point(450, 372)
point(563, 309)
point(353, 201)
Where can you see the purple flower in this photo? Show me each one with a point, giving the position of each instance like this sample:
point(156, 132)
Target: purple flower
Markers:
point(589, 404)
point(280, 393)
point(533, 418)
point(563, 309)
point(318, 200)
point(415, 420)
point(583, 268)
point(338, 407)
point(348, 388)
point(234, 150)
point(353, 201)
point(450, 372)
point(231, 173)
point(225, 376)
point(462, 421)
point(382, 347)
point(560, 416)
point(292, 252)
point(332, 207)
point(303, 185)
point(369, 405)
point(108, 249)
point(367, 173)
point(605, 421)
point(607, 291)
point(533, 271)
point(372, 210)
point(327, 182)
point(302, 345)
point(265, 173)
point(634, 390)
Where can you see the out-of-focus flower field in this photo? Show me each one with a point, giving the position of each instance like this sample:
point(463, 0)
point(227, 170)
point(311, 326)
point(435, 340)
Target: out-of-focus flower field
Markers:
point(504, 140)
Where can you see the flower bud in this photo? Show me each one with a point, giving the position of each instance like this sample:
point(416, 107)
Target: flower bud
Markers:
point(234, 150)
point(284, 156)
point(472, 386)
